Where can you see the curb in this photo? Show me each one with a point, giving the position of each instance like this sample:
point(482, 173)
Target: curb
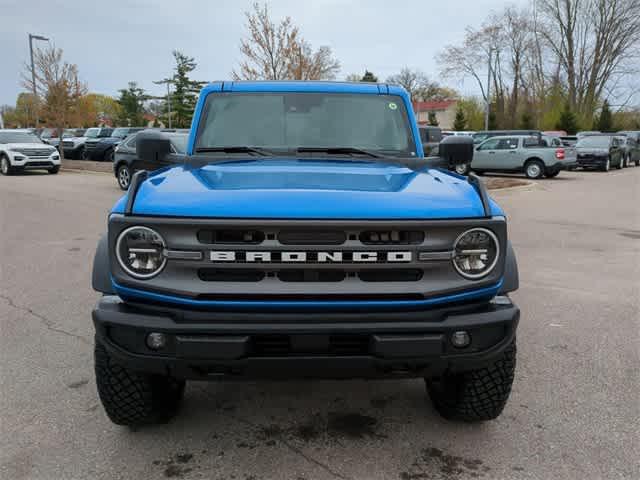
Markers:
point(515, 188)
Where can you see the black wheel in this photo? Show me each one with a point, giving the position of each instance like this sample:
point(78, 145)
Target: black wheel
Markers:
point(131, 398)
point(638, 163)
point(5, 166)
point(79, 155)
point(54, 170)
point(620, 165)
point(476, 395)
point(463, 169)
point(551, 173)
point(123, 176)
point(84, 155)
point(108, 156)
point(534, 169)
point(607, 165)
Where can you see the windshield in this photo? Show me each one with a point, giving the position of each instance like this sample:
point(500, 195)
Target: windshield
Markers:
point(18, 137)
point(92, 133)
point(120, 132)
point(179, 142)
point(288, 121)
point(593, 142)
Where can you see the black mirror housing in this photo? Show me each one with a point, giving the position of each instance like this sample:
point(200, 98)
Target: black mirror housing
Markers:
point(152, 147)
point(456, 150)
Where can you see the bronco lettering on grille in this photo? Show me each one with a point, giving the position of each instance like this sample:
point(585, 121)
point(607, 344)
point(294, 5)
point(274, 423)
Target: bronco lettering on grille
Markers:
point(310, 257)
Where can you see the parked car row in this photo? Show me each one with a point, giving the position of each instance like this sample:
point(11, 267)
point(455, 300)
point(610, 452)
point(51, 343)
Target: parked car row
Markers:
point(538, 154)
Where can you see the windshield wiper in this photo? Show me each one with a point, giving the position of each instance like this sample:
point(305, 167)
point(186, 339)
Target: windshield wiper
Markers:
point(235, 149)
point(339, 151)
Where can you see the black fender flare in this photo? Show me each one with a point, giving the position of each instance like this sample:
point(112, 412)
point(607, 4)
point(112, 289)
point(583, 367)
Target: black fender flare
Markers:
point(511, 280)
point(101, 276)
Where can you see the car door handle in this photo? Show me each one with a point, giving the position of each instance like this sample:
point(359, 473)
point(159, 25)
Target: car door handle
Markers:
point(492, 153)
point(512, 152)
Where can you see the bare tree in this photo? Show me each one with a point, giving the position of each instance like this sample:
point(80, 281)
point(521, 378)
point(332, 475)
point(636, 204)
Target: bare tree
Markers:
point(278, 52)
point(417, 83)
point(594, 41)
point(58, 84)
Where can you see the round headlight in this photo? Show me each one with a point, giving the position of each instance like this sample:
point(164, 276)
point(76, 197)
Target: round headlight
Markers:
point(140, 252)
point(476, 253)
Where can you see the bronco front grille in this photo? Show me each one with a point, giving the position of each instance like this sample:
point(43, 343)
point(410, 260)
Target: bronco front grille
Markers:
point(218, 260)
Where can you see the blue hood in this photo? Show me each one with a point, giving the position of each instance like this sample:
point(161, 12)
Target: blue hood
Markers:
point(314, 189)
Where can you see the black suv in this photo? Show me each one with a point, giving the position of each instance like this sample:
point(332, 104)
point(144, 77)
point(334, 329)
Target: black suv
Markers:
point(94, 135)
point(105, 148)
point(126, 161)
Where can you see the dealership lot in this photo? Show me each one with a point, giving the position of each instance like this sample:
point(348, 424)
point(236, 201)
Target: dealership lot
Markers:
point(574, 412)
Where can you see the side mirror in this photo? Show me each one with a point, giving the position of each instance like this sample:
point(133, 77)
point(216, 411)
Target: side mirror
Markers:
point(456, 150)
point(152, 147)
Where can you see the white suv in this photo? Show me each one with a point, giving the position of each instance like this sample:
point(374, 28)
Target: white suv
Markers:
point(22, 150)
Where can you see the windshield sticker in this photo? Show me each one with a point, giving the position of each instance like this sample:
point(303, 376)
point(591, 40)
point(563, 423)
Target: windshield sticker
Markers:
point(392, 106)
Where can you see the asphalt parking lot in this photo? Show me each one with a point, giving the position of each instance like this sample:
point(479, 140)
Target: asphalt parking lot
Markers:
point(574, 412)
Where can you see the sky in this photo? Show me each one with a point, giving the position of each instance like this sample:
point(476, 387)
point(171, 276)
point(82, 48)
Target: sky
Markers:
point(114, 42)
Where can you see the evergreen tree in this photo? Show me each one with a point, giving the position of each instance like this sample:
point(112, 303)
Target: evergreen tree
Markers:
point(460, 122)
point(433, 120)
point(605, 120)
point(369, 77)
point(568, 121)
point(526, 121)
point(185, 91)
point(131, 102)
point(493, 121)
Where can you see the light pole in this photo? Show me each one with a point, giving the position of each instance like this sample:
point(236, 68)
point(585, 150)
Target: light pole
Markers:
point(33, 72)
point(486, 110)
point(168, 81)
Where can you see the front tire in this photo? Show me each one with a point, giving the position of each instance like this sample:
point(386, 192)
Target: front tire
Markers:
point(5, 166)
point(534, 169)
point(131, 398)
point(54, 170)
point(620, 163)
point(108, 156)
point(607, 166)
point(124, 177)
point(476, 395)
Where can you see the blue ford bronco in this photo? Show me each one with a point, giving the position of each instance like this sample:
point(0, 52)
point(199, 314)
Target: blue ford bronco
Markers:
point(304, 235)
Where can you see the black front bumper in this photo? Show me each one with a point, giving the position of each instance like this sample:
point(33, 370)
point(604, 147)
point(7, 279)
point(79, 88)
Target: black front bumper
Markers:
point(592, 162)
point(207, 345)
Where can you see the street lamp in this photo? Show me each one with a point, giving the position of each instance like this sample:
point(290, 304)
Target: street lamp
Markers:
point(168, 81)
point(33, 71)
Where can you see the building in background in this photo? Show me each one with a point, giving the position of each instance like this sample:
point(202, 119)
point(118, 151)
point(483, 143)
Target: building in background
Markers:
point(444, 110)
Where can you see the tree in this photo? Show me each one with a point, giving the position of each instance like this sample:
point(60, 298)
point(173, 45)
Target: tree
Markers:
point(353, 77)
point(526, 121)
point(433, 120)
point(58, 84)
point(594, 42)
point(605, 120)
point(460, 122)
point(132, 106)
point(278, 52)
point(185, 94)
point(568, 121)
point(473, 112)
point(369, 77)
point(415, 82)
point(493, 121)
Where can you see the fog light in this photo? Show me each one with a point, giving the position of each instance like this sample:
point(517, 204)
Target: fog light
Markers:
point(460, 339)
point(156, 340)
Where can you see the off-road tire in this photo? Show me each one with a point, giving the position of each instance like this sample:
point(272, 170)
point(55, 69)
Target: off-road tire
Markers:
point(131, 398)
point(476, 395)
point(54, 170)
